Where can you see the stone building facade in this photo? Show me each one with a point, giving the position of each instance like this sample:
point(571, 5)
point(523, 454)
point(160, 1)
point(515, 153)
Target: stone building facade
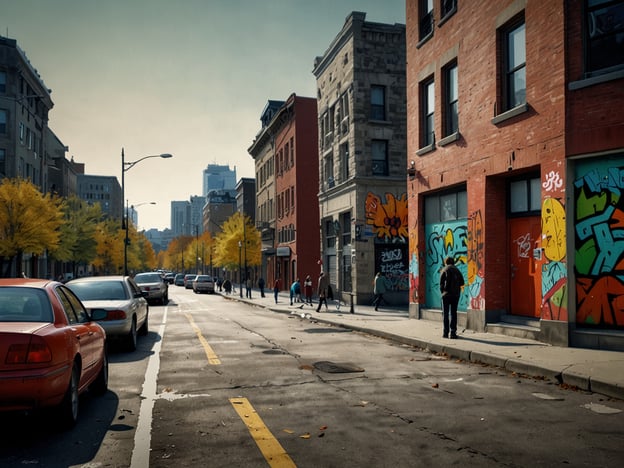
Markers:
point(361, 94)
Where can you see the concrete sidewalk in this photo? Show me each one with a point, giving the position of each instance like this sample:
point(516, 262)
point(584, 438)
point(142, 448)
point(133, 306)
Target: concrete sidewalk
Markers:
point(588, 369)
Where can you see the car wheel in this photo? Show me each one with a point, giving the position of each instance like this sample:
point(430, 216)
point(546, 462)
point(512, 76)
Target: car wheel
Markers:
point(131, 338)
point(100, 384)
point(69, 406)
point(145, 327)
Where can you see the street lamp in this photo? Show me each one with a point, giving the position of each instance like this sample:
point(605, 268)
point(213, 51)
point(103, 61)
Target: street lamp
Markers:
point(240, 274)
point(126, 166)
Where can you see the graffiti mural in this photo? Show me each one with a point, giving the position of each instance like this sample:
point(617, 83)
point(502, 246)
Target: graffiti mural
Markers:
point(554, 275)
point(392, 261)
point(599, 242)
point(388, 220)
point(475, 284)
point(448, 239)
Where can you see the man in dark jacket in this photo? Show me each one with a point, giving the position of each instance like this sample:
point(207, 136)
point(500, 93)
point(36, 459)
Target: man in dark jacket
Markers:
point(451, 283)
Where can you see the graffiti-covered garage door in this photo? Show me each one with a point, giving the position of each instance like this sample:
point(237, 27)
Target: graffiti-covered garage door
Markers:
point(599, 242)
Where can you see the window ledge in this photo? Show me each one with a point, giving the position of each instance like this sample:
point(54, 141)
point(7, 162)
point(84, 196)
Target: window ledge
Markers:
point(379, 122)
point(594, 80)
point(424, 39)
point(448, 15)
point(426, 149)
point(511, 113)
point(449, 139)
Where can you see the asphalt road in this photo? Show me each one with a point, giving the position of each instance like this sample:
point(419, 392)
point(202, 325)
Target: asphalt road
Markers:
point(218, 383)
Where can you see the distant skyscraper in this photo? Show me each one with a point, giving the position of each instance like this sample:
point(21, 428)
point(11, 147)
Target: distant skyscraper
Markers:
point(217, 177)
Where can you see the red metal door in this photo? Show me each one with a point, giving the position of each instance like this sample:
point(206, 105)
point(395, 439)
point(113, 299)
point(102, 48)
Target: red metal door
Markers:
point(525, 292)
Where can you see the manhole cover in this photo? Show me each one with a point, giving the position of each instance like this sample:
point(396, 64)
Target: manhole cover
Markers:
point(337, 367)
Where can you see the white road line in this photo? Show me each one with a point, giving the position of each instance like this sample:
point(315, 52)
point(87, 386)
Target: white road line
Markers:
point(143, 433)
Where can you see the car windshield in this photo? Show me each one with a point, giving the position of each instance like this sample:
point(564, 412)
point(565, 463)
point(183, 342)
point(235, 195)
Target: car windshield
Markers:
point(204, 278)
point(147, 278)
point(99, 291)
point(24, 305)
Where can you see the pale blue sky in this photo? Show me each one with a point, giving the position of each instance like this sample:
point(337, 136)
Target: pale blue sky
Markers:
point(187, 77)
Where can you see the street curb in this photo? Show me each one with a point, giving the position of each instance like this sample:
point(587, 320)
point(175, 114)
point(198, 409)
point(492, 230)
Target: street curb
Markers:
point(565, 376)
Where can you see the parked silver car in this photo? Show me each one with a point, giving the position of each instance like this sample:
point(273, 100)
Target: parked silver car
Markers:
point(154, 285)
point(127, 311)
point(203, 283)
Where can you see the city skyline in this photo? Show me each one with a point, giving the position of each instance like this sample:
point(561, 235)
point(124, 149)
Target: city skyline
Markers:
point(156, 77)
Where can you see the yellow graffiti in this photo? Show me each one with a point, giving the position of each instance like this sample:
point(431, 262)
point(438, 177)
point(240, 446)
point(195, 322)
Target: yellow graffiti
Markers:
point(389, 220)
point(553, 230)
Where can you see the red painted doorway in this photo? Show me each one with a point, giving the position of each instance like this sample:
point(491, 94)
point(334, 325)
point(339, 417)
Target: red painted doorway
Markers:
point(525, 278)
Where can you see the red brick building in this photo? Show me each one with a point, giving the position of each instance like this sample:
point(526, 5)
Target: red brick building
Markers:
point(516, 162)
point(286, 155)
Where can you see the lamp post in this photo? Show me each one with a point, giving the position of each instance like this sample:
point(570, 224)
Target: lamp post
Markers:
point(240, 274)
point(126, 166)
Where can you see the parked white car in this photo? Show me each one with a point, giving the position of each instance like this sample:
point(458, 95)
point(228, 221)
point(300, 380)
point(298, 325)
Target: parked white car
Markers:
point(127, 311)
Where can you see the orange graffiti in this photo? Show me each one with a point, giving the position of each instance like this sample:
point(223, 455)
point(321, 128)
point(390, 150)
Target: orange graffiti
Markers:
point(600, 301)
point(389, 220)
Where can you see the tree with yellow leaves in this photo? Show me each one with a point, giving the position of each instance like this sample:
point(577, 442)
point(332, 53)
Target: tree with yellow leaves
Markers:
point(238, 228)
point(29, 222)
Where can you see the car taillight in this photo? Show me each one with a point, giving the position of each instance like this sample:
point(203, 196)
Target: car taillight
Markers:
point(115, 315)
point(37, 351)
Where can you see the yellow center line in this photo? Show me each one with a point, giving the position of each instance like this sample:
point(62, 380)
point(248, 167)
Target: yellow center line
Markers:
point(271, 449)
point(210, 354)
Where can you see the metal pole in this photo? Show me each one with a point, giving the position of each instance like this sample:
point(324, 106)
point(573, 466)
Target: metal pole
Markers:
point(124, 221)
point(240, 266)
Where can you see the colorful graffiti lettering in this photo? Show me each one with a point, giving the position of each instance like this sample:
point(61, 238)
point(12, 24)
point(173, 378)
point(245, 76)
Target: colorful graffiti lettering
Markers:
point(599, 243)
point(391, 260)
point(445, 240)
point(414, 276)
point(475, 281)
point(388, 220)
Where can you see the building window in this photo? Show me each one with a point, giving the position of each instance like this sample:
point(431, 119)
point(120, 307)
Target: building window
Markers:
point(344, 113)
point(344, 161)
point(345, 224)
point(428, 105)
point(378, 103)
point(379, 151)
point(525, 196)
point(329, 170)
point(2, 161)
point(451, 98)
point(330, 234)
point(604, 35)
point(3, 121)
point(447, 206)
point(2, 82)
point(514, 64)
point(447, 8)
point(425, 19)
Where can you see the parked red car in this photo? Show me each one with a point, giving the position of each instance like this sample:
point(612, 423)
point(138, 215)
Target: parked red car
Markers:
point(51, 349)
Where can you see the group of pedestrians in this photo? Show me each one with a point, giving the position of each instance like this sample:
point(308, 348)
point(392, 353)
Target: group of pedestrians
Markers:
point(451, 284)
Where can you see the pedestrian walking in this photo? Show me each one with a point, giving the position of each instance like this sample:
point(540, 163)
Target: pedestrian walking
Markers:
point(227, 286)
point(379, 288)
point(248, 286)
point(276, 288)
point(323, 284)
point(451, 283)
point(261, 286)
point(307, 289)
